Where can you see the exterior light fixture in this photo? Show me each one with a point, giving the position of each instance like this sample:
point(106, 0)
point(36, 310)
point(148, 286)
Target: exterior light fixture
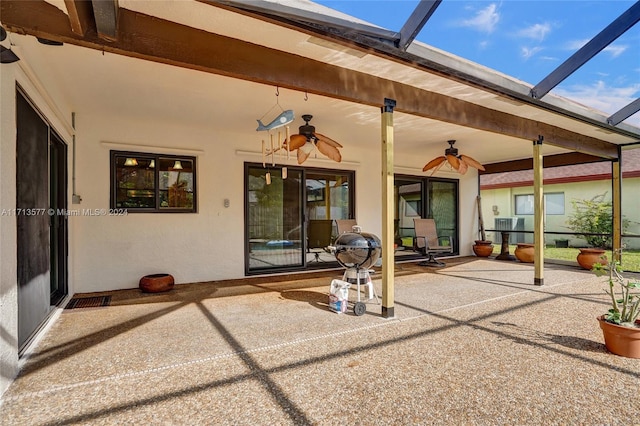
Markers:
point(7, 56)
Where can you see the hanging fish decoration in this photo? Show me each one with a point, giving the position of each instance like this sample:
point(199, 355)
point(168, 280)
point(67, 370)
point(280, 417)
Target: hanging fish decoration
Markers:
point(283, 119)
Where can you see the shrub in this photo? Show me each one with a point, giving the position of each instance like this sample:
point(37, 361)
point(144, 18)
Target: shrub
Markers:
point(594, 216)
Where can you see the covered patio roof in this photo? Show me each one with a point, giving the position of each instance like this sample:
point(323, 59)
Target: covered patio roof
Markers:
point(335, 75)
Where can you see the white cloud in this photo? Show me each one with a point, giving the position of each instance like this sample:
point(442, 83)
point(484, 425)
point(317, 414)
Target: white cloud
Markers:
point(528, 52)
point(575, 44)
point(615, 50)
point(603, 97)
point(485, 19)
point(535, 32)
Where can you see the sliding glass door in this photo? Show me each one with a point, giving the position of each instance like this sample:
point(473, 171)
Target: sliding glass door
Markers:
point(418, 197)
point(280, 204)
point(273, 219)
point(442, 206)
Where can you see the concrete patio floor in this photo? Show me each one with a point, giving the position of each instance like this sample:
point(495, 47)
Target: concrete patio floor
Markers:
point(472, 343)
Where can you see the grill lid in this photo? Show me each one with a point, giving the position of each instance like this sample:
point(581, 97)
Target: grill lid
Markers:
point(357, 249)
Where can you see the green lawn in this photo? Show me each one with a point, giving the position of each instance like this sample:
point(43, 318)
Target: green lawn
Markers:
point(630, 258)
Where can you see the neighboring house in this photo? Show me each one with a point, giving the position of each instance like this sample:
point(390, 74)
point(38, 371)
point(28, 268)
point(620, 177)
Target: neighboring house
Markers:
point(507, 198)
point(137, 130)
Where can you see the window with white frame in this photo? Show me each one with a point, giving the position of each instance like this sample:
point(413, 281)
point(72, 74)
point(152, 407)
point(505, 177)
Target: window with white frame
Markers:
point(554, 203)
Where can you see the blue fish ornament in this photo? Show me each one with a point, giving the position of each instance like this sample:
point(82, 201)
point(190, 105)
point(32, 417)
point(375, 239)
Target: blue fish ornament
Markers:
point(282, 120)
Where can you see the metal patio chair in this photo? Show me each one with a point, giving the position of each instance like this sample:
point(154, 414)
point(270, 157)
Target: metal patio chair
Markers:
point(319, 237)
point(345, 225)
point(429, 243)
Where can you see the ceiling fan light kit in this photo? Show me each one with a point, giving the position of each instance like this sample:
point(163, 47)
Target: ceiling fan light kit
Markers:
point(458, 162)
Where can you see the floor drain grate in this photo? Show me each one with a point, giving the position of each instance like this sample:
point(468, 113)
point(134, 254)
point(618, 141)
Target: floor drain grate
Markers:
point(89, 302)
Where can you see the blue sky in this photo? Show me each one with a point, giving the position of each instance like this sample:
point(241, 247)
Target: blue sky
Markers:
point(527, 40)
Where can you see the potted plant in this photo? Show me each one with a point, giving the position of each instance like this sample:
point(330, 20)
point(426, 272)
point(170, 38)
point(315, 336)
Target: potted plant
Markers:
point(592, 220)
point(620, 325)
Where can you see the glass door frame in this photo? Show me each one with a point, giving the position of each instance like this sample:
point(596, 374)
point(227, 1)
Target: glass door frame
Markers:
point(303, 217)
point(425, 203)
point(58, 229)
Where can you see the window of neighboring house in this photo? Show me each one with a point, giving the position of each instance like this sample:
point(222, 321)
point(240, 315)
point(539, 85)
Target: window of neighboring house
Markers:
point(151, 183)
point(554, 204)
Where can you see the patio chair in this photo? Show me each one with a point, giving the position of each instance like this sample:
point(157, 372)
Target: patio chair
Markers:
point(319, 237)
point(345, 225)
point(429, 243)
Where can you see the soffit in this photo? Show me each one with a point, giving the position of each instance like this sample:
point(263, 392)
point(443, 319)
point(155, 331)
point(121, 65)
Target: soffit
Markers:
point(218, 20)
point(147, 92)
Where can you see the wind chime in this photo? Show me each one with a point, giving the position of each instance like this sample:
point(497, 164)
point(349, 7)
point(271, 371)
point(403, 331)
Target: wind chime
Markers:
point(282, 120)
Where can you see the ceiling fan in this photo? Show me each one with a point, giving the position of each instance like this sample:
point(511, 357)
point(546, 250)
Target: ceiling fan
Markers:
point(459, 163)
point(307, 140)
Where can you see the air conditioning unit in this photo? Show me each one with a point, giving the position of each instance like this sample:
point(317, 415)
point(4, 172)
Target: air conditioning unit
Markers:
point(511, 224)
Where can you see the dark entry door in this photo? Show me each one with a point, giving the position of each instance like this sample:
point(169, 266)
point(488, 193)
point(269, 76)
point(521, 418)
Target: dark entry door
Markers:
point(41, 237)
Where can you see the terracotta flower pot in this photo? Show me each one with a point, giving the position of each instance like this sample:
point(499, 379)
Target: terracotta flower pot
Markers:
point(590, 256)
point(482, 248)
point(619, 340)
point(525, 252)
point(156, 283)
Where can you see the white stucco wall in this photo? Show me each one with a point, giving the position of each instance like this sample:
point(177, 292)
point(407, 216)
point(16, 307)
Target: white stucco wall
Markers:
point(113, 252)
point(8, 273)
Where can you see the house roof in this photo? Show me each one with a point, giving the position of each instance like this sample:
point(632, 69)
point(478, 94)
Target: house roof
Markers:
point(565, 174)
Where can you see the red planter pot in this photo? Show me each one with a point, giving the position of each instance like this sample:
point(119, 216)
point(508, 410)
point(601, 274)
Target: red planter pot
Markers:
point(156, 283)
point(482, 248)
point(525, 252)
point(619, 340)
point(590, 256)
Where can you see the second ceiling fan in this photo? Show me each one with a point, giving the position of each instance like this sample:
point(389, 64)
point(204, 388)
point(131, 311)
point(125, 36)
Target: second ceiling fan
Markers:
point(458, 162)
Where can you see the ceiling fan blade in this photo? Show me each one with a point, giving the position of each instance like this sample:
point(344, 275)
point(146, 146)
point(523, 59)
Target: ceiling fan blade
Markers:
point(463, 167)
point(439, 166)
point(296, 141)
point(329, 150)
point(302, 156)
point(435, 162)
point(453, 160)
point(471, 162)
point(330, 141)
